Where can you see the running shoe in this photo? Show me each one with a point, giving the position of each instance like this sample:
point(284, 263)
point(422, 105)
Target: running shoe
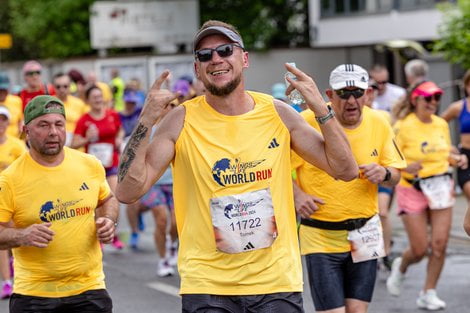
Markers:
point(395, 280)
point(117, 243)
point(7, 290)
point(164, 269)
point(134, 241)
point(430, 301)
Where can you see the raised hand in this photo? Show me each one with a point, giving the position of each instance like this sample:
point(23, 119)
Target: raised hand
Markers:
point(306, 86)
point(158, 100)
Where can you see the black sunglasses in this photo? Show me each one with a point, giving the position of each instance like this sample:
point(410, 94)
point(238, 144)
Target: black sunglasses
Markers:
point(436, 96)
point(346, 93)
point(33, 73)
point(224, 51)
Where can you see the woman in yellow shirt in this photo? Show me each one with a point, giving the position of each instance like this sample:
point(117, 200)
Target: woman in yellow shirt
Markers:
point(425, 192)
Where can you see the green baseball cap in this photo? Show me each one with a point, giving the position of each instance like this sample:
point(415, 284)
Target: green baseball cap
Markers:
point(41, 105)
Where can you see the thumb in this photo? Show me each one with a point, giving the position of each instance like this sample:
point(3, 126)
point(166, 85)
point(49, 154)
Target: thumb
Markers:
point(100, 221)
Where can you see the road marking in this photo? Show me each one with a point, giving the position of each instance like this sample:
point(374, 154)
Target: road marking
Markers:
point(165, 288)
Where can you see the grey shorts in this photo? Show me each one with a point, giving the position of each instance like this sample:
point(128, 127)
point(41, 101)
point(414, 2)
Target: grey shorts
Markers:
point(281, 302)
point(333, 277)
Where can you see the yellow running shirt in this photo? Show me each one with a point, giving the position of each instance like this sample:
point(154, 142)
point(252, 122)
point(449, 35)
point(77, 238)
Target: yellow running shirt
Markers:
point(10, 150)
point(371, 142)
point(15, 107)
point(219, 156)
point(65, 195)
point(426, 142)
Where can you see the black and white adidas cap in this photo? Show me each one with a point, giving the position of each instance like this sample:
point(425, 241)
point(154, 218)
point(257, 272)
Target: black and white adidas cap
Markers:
point(349, 75)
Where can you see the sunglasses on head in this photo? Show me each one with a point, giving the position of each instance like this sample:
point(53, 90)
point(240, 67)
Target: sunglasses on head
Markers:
point(436, 97)
point(33, 73)
point(224, 51)
point(346, 93)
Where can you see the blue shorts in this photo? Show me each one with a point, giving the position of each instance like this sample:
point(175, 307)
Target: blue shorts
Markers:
point(333, 277)
point(158, 195)
point(387, 190)
point(111, 171)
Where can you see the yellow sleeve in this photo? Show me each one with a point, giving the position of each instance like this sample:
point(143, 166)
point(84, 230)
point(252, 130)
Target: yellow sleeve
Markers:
point(391, 153)
point(6, 200)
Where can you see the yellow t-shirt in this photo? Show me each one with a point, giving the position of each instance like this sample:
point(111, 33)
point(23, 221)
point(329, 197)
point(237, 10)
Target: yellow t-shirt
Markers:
point(219, 155)
point(426, 142)
point(15, 106)
point(10, 150)
point(371, 142)
point(74, 109)
point(65, 195)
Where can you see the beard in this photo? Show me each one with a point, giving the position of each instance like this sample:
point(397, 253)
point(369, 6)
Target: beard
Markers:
point(224, 90)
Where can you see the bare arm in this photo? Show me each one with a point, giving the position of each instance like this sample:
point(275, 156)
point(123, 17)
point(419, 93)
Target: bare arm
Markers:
point(331, 152)
point(453, 111)
point(35, 235)
point(142, 162)
point(107, 214)
point(305, 204)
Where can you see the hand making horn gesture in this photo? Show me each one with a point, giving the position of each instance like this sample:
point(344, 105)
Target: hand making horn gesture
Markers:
point(158, 100)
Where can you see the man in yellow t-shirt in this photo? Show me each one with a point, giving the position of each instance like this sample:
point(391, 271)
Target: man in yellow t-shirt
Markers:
point(62, 208)
point(336, 214)
point(74, 107)
point(13, 104)
point(230, 151)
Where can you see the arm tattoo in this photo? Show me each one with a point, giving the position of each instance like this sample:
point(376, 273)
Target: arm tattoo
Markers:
point(129, 152)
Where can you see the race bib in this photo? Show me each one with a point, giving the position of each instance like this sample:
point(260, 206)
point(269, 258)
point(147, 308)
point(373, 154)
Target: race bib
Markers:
point(103, 152)
point(439, 191)
point(367, 242)
point(243, 222)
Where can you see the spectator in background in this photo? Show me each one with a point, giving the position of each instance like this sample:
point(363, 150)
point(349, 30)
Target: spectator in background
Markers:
point(416, 70)
point(134, 86)
point(14, 105)
point(78, 84)
point(10, 149)
point(130, 115)
point(100, 132)
point(92, 79)
point(183, 88)
point(74, 106)
point(34, 84)
point(387, 93)
point(117, 86)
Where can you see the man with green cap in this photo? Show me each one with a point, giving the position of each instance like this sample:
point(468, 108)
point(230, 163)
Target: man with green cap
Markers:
point(62, 208)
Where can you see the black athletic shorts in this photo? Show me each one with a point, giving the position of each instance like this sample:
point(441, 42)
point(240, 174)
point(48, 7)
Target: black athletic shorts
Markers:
point(281, 302)
point(91, 301)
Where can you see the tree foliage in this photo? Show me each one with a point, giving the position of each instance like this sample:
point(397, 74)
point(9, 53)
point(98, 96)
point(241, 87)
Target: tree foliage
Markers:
point(50, 28)
point(262, 23)
point(454, 43)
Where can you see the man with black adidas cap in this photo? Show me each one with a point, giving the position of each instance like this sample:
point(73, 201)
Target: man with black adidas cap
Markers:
point(340, 232)
point(230, 151)
point(62, 208)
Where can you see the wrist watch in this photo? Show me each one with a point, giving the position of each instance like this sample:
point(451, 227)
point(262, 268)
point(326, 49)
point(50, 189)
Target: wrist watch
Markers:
point(388, 175)
point(327, 117)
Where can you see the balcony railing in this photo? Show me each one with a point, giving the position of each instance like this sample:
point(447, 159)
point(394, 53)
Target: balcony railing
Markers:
point(337, 8)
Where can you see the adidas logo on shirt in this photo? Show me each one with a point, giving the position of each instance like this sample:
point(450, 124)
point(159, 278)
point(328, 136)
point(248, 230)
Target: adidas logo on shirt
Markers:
point(249, 246)
point(84, 186)
point(273, 144)
point(374, 153)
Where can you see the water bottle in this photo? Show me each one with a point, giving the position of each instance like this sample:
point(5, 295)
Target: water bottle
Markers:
point(295, 97)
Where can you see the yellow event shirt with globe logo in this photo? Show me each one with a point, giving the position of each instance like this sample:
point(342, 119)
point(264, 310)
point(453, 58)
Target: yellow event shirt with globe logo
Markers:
point(234, 202)
point(67, 196)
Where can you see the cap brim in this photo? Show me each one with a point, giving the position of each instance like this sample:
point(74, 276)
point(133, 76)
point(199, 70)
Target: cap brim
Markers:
point(357, 84)
point(217, 30)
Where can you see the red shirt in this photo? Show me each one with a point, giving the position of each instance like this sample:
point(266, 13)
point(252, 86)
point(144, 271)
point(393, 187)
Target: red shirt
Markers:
point(108, 128)
point(27, 96)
